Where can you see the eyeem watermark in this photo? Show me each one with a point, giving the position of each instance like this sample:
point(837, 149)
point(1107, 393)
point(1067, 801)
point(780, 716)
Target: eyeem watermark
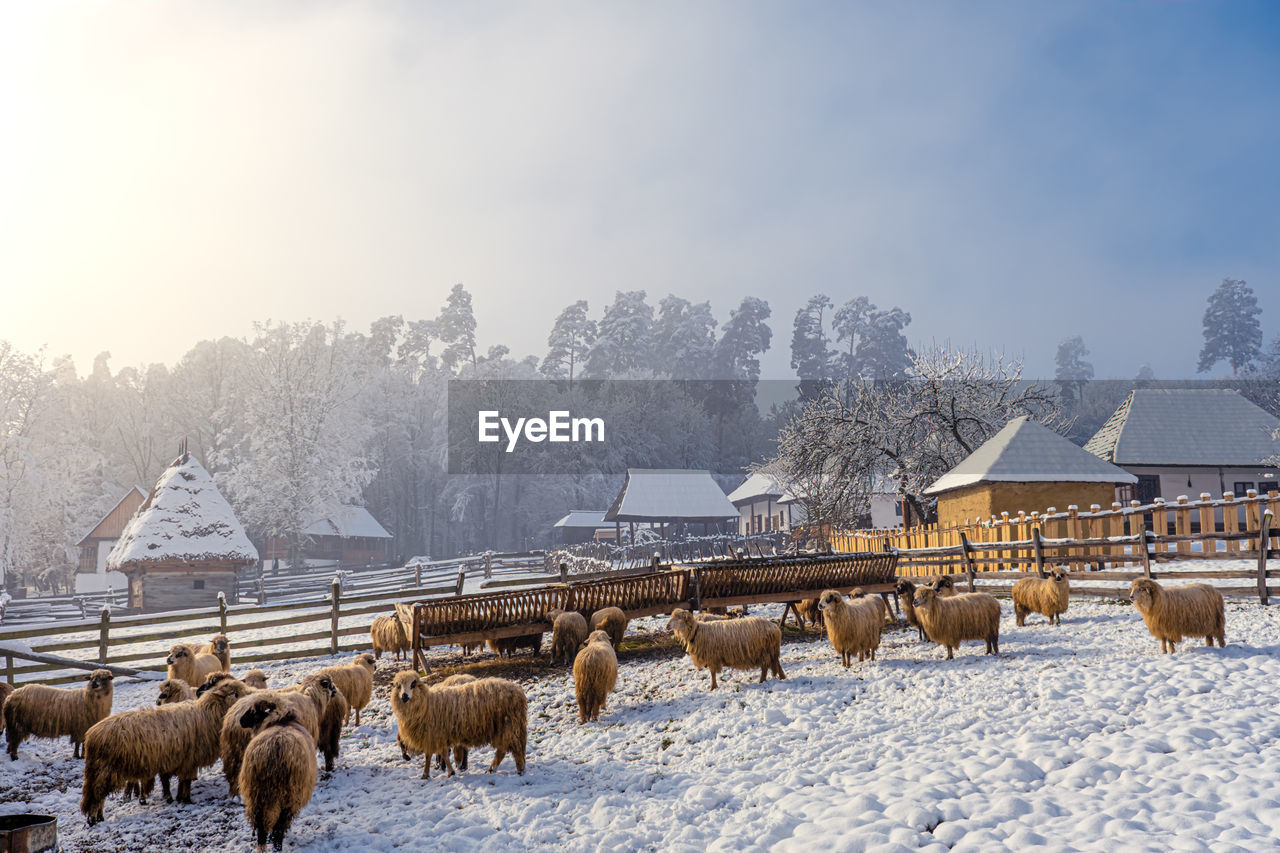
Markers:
point(558, 427)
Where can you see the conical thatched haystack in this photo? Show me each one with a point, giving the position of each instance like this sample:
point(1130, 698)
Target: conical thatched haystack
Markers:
point(183, 546)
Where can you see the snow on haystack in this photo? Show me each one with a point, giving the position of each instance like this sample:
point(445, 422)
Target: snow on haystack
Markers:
point(184, 519)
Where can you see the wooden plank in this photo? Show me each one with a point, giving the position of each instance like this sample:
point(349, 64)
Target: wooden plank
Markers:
point(1264, 536)
point(1230, 521)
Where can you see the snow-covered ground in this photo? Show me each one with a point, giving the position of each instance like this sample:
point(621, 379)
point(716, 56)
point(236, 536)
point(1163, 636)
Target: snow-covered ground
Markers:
point(1081, 737)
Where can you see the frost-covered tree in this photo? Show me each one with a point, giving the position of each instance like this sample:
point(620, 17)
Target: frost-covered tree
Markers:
point(305, 444)
point(1070, 363)
point(571, 338)
point(850, 325)
point(624, 338)
point(684, 339)
point(1232, 332)
point(456, 329)
point(811, 354)
point(882, 351)
point(746, 336)
point(202, 398)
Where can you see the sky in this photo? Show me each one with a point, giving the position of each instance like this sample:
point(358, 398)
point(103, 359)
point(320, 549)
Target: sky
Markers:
point(1009, 173)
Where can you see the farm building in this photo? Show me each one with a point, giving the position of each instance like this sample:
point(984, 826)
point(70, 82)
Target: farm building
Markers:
point(183, 546)
point(580, 525)
point(349, 535)
point(662, 497)
point(1029, 467)
point(1184, 441)
point(91, 573)
point(764, 505)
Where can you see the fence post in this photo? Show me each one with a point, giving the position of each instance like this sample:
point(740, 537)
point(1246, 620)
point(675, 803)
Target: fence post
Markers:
point(222, 613)
point(417, 576)
point(8, 669)
point(564, 573)
point(418, 662)
point(1146, 552)
point(968, 559)
point(697, 588)
point(488, 564)
point(1264, 536)
point(262, 589)
point(1038, 546)
point(656, 564)
point(462, 576)
point(102, 634)
point(335, 594)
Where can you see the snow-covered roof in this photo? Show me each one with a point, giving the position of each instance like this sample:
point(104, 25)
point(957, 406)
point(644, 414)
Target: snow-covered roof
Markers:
point(1186, 426)
point(757, 487)
point(184, 519)
point(670, 494)
point(587, 519)
point(1027, 452)
point(348, 522)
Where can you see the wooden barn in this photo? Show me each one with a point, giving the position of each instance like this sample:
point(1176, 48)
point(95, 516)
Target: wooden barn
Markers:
point(661, 497)
point(580, 525)
point(91, 573)
point(1025, 466)
point(348, 535)
point(183, 546)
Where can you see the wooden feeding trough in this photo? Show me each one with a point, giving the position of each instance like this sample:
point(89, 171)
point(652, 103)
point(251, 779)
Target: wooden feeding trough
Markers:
point(28, 833)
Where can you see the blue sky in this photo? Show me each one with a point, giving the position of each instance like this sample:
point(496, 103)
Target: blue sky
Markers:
point(1009, 173)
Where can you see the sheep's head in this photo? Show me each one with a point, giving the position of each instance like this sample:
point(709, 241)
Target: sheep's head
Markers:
point(327, 685)
point(212, 680)
point(944, 583)
point(170, 691)
point(905, 587)
point(404, 685)
point(1059, 575)
point(177, 653)
point(599, 637)
point(830, 598)
point(681, 622)
point(925, 596)
point(220, 644)
point(366, 660)
point(1143, 593)
point(552, 614)
point(100, 681)
point(258, 712)
point(256, 678)
point(223, 692)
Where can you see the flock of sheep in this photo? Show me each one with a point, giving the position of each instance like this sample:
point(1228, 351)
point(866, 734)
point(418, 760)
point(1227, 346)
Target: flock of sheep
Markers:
point(267, 739)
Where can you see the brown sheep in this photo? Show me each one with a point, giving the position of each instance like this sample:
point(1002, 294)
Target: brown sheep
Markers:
point(949, 620)
point(944, 585)
point(1049, 596)
point(459, 752)
point(568, 632)
point(220, 648)
point(171, 692)
point(852, 627)
point(279, 771)
point(506, 647)
point(5, 689)
point(486, 712)
point(1194, 610)
point(595, 674)
point(255, 678)
point(613, 622)
point(37, 710)
point(355, 681)
point(309, 699)
point(175, 740)
point(906, 592)
point(187, 664)
point(744, 643)
point(810, 613)
point(388, 635)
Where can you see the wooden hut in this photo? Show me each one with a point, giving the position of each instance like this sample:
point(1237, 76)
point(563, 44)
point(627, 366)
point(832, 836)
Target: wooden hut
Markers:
point(183, 546)
point(580, 525)
point(91, 573)
point(662, 496)
point(348, 535)
point(1025, 466)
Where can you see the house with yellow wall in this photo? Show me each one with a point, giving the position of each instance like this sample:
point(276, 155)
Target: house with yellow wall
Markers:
point(1025, 466)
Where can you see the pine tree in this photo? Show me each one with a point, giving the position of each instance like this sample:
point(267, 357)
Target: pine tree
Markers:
point(684, 338)
point(850, 326)
point(456, 329)
point(624, 337)
point(1232, 332)
point(810, 355)
point(883, 352)
point(745, 338)
point(570, 339)
point(1070, 360)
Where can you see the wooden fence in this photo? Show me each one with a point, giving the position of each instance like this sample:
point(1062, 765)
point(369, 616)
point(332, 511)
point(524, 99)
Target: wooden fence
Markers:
point(1096, 546)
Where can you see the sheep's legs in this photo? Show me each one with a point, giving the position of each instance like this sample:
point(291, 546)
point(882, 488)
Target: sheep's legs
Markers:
point(260, 830)
point(77, 749)
point(164, 783)
point(498, 755)
point(460, 757)
point(281, 827)
point(426, 765)
point(184, 790)
point(713, 679)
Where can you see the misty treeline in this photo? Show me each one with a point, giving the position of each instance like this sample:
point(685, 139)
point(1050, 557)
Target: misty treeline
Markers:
point(302, 417)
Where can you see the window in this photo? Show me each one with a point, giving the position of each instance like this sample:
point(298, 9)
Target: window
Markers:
point(1241, 489)
point(197, 584)
point(1148, 487)
point(897, 509)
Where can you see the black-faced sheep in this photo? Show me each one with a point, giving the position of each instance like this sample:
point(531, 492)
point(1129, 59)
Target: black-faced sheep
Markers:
point(744, 643)
point(568, 631)
point(355, 681)
point(486, 712)
point(595, 674)
point(944, 585)
point(278, 775)
point(36, 710)
point(906, 591)
point(612, 621)
point(388, 635)
point(175, 740)
point(853, 628)
point(1171, 613)
point(506, 647)
point(309, 699)
point(951, 620)
point(1049, 596)
point(191, 666)
point(220, 648)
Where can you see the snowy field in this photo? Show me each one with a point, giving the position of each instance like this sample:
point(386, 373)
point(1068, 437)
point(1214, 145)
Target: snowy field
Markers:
point(1081, 737)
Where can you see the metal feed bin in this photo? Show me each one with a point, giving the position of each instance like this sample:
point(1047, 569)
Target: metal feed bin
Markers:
point(28, 833)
